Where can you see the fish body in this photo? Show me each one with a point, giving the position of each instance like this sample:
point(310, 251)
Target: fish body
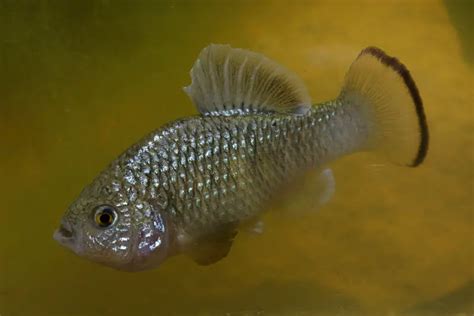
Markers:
point(186, 187)
point(219, 169)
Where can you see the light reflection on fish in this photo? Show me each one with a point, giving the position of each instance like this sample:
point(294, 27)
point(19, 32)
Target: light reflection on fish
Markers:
point(186, 187)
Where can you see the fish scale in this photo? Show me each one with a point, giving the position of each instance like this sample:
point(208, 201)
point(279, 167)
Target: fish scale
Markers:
point(225, 168)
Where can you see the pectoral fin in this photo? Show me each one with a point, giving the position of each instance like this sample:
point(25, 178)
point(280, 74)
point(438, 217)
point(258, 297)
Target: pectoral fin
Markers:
point(213, 247)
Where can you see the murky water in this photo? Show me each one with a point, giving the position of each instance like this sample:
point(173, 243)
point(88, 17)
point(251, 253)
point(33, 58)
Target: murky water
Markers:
point(80, 81)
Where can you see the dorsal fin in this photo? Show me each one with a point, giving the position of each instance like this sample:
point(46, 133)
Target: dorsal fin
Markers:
point(228, 81)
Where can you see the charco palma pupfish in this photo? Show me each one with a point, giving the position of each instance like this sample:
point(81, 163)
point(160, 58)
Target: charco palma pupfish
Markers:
point(189, 185)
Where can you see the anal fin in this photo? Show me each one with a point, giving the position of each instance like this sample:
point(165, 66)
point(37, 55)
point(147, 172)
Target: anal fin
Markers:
point(326, 185)
point(308, 193)
point(254, 226)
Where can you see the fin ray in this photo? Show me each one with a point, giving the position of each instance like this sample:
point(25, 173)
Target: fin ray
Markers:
point(225, 78)
point(385, 90)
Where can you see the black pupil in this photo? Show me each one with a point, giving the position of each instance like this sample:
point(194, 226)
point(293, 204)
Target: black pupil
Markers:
point(106, 217)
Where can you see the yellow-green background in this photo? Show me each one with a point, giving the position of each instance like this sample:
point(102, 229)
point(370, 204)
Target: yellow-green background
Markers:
point(82, 80)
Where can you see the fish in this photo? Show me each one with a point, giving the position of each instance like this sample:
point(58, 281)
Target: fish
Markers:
point(189, 186)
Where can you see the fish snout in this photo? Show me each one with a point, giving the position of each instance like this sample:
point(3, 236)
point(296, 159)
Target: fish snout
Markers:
point(65, 235)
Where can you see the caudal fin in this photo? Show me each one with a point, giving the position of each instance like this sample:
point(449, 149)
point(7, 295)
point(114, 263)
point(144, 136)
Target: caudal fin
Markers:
point(383, 87)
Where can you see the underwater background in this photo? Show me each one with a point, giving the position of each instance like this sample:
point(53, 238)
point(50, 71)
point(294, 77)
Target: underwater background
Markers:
point(80, 81)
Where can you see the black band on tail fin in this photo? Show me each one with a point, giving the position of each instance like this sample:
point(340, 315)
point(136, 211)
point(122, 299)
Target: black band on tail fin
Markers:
point(400, 68)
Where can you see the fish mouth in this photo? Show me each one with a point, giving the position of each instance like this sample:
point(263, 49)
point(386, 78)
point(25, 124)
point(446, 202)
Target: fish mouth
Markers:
point(65, 235)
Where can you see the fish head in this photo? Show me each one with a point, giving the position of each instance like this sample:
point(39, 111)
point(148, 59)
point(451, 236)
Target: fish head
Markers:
point(111, 224)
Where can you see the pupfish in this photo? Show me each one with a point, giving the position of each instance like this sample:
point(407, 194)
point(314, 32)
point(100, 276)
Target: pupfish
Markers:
point(190, 186)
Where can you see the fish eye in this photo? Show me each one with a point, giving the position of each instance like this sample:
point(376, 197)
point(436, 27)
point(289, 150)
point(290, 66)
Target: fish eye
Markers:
point(104, 215)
